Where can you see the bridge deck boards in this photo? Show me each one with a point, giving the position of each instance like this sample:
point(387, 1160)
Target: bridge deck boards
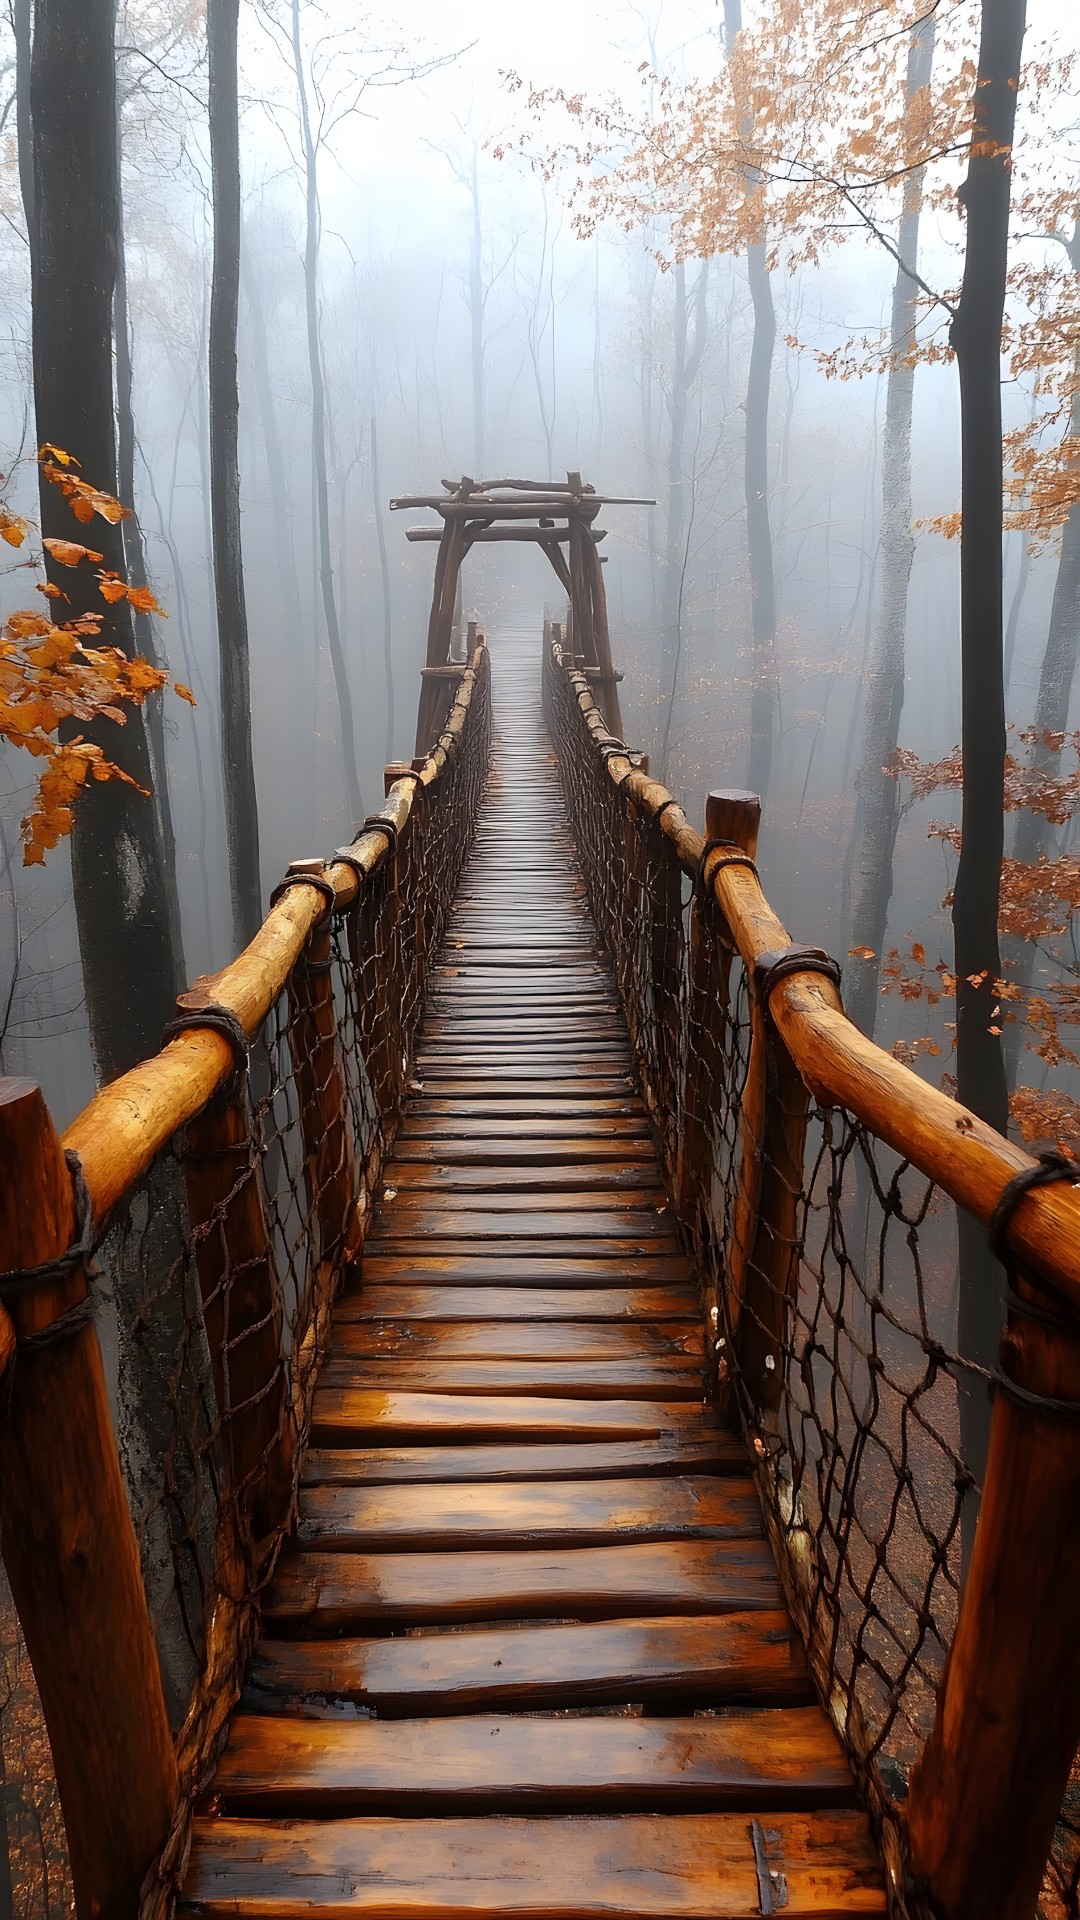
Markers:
point(529, 1578)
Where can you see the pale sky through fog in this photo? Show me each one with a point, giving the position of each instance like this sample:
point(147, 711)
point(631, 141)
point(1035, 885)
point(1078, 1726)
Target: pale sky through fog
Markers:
point(394, 178)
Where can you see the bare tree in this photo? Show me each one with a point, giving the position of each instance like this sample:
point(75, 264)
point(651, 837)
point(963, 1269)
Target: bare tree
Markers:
point(976, 339)
point(131, 965)
point(878, 794)
point(241, 803)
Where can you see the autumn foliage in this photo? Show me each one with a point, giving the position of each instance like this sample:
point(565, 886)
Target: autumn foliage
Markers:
point(56, 677)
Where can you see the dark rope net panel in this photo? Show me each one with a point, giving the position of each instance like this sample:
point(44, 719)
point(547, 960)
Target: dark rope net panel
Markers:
point(828, 1268)
point(213, 1279)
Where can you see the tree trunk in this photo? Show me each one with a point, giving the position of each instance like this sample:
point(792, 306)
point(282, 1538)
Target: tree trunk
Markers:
point(131, 967)
point(1032, 837)
point(878, 794)
point(476, 320)
point(756, 481)
point(758, 529)
point(384, 574)
point(135, 557)
point(976, 339)
point(686, 364)
point(21, 25)
point(318, 429)
point(302, 659)
point(241, 805)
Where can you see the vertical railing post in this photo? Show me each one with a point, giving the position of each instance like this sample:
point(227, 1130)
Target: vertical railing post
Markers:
point(68, 1542)
point(241, 1303)
point(734, 817)
point(986, 1793)
point(772, 1271)
point(665, 914)
point(330, 1172)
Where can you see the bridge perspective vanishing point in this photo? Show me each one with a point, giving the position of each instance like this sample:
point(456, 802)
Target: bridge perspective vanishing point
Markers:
point(484, 1433)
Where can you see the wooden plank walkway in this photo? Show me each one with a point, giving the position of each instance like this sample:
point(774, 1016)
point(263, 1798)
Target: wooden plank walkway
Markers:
point(529, 1582)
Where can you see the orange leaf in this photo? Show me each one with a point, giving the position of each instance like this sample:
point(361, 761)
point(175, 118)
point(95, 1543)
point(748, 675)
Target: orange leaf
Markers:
point(862, 953)
point(51, 452)
point(112, 588)
point(13, 531)
point(143, 601)
point(185, 693)
point(918, 954)
point(27, 625)
point(69, 552)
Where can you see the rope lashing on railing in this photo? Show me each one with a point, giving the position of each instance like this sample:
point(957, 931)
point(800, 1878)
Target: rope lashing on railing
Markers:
point(296, 875)
point(733, 856)
point(776, 963)
point(1049, 1167)
point(375, 823)
point(53, 1273)
point(214, 1018)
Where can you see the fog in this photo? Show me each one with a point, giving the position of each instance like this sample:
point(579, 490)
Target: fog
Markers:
point(441, 248)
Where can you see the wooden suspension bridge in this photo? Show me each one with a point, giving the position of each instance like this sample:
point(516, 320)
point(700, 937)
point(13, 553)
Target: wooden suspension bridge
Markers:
point(538, 1546)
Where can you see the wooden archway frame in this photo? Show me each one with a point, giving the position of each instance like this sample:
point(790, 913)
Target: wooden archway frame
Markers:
point(546, 514)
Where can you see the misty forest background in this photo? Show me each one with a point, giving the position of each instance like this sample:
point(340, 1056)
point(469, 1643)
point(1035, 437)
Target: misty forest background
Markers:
point(491, 243)
point(719, 256)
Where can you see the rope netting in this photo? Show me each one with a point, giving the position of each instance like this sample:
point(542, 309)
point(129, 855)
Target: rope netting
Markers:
point(829, 1272)
point(213, 1278)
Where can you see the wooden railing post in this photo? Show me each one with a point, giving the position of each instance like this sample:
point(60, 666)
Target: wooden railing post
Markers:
point(735, 817)
point(330, 1172)
point(772, 1271)
point(241, 1305)
point(987, 1791)
point(69, 1545)
point(665, 912)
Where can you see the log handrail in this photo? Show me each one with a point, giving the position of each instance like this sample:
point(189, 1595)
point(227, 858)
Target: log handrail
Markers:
point(215, 1278)
point(126, 1125)
point(833, 1358)
point(968, 1159)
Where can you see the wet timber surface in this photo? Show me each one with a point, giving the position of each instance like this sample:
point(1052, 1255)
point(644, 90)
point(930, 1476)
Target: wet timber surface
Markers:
point(527, 1653)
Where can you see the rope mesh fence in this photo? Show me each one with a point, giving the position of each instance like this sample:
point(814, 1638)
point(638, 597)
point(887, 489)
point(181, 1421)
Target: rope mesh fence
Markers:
point(213, 1279)
point(828, 1267)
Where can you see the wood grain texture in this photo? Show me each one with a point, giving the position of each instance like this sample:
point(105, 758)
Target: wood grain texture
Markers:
point(333, 1592)
point(568, 1513)
point(352, 1414)
point(719, 1660)
point(650, 1377)
point(465, 1297)
point(700, 1867)
point(663, 1453)
point(277, 1765)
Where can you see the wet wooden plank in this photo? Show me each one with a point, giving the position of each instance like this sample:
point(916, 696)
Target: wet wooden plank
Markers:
point(437, 1519)
point(676, 1377)
point(632, 1180)
point(712, 1451)
point(464, 1126)
point(536, 1151)
point(562, 1217)
point(355, 1413)
point(661, 1268)
point(518, 1339)
point(454, 1246)
point(333, 1592)
point(280, 1765)
point(473, 1297)
point(721, 1660)
point(699, 1867)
